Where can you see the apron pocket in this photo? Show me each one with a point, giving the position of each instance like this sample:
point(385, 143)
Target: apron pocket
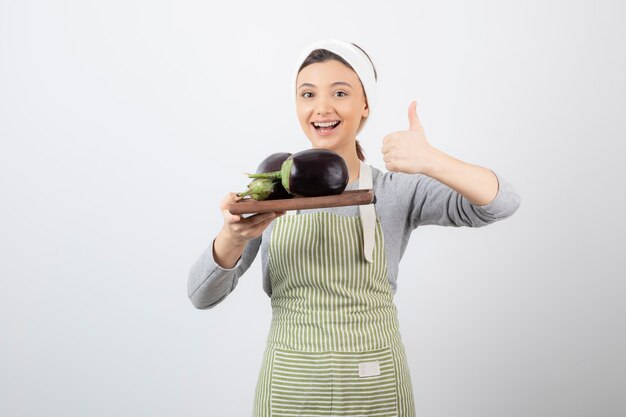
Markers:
point(334, 383)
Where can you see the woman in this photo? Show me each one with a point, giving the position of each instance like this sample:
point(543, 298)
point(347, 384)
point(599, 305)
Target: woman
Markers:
point(334, 346)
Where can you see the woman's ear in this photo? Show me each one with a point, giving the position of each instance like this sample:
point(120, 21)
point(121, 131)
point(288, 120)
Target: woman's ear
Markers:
point(366, 111)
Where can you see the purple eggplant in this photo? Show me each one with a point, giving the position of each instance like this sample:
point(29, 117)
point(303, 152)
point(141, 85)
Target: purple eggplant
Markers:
point(311, 173)
point(273, 162)
point(267, 189)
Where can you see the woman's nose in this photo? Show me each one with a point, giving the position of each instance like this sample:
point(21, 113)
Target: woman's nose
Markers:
point(323, 106)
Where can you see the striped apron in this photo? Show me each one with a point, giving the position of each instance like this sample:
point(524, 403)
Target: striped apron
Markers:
point(334, 346)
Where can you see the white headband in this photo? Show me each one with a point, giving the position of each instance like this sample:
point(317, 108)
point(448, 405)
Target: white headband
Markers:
point(357, 60)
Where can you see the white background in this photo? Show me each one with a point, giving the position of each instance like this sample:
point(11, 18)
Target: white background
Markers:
point(124, 123)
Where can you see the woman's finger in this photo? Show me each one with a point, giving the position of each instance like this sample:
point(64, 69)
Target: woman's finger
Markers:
point(225, 204)
point(258, 218)
point(259, 227)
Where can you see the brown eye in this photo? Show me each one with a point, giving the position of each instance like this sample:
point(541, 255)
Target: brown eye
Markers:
point(341, 92)
point(305, 94)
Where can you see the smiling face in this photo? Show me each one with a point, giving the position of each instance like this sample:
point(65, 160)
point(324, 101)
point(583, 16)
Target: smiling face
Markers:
point(329, 92)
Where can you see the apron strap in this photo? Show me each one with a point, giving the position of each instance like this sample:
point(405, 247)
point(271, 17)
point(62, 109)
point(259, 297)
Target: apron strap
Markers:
point(368, 214)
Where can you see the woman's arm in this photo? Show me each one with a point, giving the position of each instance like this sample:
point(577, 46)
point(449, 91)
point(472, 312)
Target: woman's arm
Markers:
point(208, 284)
point(227, 251)
point(216, 272)
point(477, 184)
point(426, 201)
point(443, 190)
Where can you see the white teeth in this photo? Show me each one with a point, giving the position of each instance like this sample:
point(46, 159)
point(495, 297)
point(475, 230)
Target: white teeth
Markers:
point(326, 124)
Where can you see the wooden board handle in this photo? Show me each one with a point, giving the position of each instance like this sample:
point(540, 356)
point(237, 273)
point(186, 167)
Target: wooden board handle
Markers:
point(347, 198)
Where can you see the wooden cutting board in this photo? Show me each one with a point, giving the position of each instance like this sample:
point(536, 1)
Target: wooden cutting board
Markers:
point(347, 198)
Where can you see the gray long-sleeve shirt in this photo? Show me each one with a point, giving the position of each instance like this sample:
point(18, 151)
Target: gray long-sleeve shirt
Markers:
point(403, 202)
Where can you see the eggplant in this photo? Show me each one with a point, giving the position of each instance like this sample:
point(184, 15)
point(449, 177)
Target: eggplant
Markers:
point(273, 162)
point(311, 173)
point(265, 189)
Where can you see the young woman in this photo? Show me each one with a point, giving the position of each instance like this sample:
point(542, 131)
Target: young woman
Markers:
point(334, 345)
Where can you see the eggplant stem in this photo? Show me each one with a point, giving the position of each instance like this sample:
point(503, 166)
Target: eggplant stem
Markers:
point(268, 175)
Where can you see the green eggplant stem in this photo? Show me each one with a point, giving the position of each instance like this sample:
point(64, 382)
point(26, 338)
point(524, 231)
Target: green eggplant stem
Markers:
point(268, 175)
point(259, 189)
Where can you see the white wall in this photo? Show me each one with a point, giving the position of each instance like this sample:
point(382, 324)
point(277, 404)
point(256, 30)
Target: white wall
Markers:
point(124, 123)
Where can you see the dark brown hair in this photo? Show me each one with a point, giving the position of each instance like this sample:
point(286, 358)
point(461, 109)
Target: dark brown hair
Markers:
point(323, 55)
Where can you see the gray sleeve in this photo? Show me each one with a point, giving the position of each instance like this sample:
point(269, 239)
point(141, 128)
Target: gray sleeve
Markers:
point(431, 202)
point(209, 284)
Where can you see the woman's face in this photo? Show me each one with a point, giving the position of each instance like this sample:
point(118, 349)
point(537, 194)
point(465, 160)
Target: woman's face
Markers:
point(330, 92)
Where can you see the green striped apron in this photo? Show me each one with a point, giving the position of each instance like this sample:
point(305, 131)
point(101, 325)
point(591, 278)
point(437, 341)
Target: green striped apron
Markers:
point(334, 346)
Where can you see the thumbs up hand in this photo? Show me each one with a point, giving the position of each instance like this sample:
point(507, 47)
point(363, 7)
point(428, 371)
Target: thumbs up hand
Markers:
point(408, 151)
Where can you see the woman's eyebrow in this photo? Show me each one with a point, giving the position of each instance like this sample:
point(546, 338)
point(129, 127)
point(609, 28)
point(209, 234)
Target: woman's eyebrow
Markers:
point(332, 85)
